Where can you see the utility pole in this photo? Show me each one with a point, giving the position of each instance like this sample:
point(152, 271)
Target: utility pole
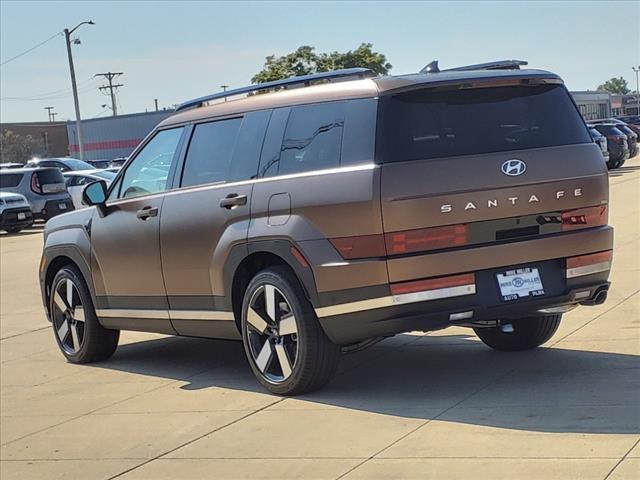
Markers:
point(111, 87)
point(637, 90)
point(53, 116)
point(67, 36)
point(156, 102)
point(224, 89)
point(48, 109)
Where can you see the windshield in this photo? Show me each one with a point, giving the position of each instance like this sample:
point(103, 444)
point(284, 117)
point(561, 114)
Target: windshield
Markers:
point(428, 123)
point(104, 174)
point(78, 164)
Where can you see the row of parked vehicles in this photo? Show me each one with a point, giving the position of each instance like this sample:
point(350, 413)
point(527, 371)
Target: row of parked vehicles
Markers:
point(44, 188)
point(617, 137)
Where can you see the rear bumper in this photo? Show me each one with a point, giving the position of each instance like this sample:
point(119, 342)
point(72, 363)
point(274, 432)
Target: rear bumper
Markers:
point(437, 314)
point(53, 208)
point(9, 218)
point(619, 154)
point(359, 313)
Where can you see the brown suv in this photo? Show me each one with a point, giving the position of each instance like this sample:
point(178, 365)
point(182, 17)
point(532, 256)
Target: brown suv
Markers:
point(314, 220)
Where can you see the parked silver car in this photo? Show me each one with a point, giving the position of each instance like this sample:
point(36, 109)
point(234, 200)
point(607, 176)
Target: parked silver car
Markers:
point(44, 189)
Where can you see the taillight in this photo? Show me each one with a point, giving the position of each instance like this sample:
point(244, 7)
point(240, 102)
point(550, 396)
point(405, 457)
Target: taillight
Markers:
point(35, 183)
point(408, 241)
point(584, 218)
point(589, 264)
point(362, 246)
point(616, 139)
point(464, 284)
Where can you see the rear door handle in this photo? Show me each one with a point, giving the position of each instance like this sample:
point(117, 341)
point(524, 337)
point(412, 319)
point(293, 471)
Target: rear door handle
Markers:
point(147, 212)
point(233, 200)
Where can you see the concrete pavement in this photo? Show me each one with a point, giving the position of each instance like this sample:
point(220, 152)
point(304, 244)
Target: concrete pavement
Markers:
point(416, 406)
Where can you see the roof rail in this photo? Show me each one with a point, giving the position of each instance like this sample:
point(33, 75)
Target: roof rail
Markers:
point(432, 67)
point(496, 65)
point(284, 83)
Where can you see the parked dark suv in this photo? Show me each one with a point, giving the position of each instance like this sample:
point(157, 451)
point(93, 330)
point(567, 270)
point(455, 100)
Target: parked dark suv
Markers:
point(323, 218)
point(616, 143)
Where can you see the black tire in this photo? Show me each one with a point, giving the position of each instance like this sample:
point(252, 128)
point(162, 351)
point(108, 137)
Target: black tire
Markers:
point(14, 230)
point(613, 164)
point(96, 343)
point(527, 333)
point(315, 357)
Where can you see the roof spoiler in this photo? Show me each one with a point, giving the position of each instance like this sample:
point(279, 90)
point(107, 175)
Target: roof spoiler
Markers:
point(284, 83)
point(496, 65)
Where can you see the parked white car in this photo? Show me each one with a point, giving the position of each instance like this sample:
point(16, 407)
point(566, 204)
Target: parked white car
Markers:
point(77, 180)
point(15, 212)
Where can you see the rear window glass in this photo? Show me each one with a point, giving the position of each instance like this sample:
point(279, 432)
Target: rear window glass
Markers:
point(10, 180)
point(313, 138)
point(608, 130)
point(428, 124)
point(49, 176)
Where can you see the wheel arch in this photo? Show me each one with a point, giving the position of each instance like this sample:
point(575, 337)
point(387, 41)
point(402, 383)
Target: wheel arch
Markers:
point(241, 268)
point(56, 258)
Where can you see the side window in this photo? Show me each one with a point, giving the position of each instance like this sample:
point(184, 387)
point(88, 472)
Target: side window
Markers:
point(210, 152)
point(149, 171)
point(313, 138)
point(359, 137)
point(71, 180)
point(83, 180)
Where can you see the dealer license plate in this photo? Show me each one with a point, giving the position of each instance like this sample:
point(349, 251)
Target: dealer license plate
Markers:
point(21, 216)
point(520, 283)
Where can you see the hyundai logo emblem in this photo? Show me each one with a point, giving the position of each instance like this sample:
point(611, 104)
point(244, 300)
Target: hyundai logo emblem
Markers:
point(513, 167)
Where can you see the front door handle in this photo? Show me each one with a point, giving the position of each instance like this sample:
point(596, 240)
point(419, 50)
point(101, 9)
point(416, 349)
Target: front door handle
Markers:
point(233, 200)
point(147, 212)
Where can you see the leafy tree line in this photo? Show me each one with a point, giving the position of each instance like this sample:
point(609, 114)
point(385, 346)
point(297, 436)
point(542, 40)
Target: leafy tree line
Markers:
point(305, 61)
point(617, 86)
point(19, 148)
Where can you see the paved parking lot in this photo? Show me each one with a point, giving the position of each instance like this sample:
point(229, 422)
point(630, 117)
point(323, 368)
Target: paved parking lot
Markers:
point(418, 406)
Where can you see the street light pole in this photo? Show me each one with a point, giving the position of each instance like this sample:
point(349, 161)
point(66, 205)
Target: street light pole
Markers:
point(637, 90)
point(67, 36)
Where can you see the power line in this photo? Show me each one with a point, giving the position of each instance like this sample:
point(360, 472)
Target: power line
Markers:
point(30, 49)
point(54, 96)
point(53, 93)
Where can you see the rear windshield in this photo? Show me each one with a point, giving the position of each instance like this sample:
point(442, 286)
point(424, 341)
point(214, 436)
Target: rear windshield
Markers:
point(609, 130)
point(8, 180)
point(50, 175)
point(427, 123)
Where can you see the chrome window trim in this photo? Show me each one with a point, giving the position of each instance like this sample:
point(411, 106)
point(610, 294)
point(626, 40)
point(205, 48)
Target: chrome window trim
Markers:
point(199, 188)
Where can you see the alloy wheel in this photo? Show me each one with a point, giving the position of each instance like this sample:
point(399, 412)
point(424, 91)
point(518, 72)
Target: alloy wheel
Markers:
point(68, 316)
point(272, 333)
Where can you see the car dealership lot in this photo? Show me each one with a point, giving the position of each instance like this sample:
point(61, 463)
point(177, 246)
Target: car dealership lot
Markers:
point(415, 406)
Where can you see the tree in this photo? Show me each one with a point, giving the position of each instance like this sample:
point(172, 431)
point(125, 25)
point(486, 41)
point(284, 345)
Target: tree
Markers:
point(19, 148)
point(305, 61)
point(617, 86)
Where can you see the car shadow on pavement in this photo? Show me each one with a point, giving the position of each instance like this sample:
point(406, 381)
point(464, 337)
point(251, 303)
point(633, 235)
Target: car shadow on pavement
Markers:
point(33, 229)
point(455, 378)
point(619, 172)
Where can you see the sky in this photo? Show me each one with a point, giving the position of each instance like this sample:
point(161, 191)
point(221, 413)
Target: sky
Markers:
point(174, 51)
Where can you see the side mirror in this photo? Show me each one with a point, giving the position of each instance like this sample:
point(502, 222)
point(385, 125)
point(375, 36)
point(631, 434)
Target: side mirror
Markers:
point(95, 193)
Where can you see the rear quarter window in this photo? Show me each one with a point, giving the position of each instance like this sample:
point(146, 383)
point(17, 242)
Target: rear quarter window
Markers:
point(49, 176)
point(430, 123)
point(9, 180)
point(313, 138)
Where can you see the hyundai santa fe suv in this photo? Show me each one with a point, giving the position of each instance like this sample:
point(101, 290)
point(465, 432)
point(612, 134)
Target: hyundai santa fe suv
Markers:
point(320, 219)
